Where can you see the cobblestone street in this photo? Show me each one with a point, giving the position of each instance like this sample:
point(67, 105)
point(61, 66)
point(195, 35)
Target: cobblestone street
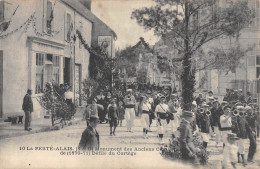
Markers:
point(70, 136)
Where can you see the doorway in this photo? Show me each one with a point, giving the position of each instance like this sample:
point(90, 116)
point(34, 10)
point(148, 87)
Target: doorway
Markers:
point(1, 83)
point(67, 71)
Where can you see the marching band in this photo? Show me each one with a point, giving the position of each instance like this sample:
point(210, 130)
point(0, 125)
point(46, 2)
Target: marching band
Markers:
point(234, 118)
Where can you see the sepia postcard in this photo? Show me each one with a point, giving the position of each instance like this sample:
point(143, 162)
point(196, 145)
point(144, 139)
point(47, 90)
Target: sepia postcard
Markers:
point(129, 84)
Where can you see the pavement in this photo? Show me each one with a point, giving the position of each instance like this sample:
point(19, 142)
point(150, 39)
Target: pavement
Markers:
point(132, 150)
point(38, 125)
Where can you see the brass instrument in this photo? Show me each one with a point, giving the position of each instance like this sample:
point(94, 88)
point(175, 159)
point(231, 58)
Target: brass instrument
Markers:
point(241, 114)
point(208, 113)
point(235, 113)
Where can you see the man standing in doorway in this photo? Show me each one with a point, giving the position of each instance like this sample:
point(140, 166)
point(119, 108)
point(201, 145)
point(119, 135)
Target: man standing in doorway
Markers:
point(28, 109)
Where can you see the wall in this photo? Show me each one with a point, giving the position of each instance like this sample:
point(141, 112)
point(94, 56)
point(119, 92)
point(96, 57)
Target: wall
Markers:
point(20, 52)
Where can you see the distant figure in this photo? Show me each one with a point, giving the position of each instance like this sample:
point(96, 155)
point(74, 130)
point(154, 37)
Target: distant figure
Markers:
point(90, 137)
point(113, 116)
point(92, 110)
point(28, 109)
point(69, 100)
point(129, 101)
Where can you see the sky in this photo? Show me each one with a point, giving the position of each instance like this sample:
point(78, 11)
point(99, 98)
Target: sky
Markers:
point(117, 15)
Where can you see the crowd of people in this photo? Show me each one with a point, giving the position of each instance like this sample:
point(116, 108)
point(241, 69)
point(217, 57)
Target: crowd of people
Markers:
point(230, 121)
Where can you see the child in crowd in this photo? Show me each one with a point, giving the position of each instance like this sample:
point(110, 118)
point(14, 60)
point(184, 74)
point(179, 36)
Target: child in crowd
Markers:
point(112, 116)
point(121, 112)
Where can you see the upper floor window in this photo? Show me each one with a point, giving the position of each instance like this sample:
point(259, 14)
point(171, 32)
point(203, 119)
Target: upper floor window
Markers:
point(251, 61)
point(258, 60)
point(49, 17)
point(2, 7)
point(68, 26)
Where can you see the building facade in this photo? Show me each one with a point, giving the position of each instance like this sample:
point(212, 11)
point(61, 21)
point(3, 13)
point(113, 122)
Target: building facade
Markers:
point(245, 75)
point(40, 45)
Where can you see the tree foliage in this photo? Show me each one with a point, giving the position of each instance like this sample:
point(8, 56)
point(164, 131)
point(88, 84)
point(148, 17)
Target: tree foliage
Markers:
point(189, 24)
point(54, 102)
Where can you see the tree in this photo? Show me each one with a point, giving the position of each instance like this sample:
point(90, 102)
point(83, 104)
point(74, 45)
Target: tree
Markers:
point(189, 24)
point(54, 102)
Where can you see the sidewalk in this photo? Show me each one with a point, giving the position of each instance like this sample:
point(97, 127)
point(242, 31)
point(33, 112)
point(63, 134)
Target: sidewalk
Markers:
point(38, 125)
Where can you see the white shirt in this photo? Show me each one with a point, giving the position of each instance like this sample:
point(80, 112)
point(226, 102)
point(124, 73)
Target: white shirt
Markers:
point(146, 106)
point(162, 108)
point(224, 123)
point(68, 95)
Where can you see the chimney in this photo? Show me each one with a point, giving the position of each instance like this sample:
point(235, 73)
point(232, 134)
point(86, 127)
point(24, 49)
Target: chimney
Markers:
point(86, 3)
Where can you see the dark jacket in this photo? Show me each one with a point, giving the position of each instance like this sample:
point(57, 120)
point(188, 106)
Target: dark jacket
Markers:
point(199, 100)
point(186, 137)
point(215, 114)
point(204, 123)
point(113, 112)
point(27, 103)
point(242, 128)
point(89, 139)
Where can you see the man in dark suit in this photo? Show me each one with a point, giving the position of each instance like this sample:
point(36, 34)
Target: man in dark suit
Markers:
point(188, 149)
point(28, 109)
point(90, 137)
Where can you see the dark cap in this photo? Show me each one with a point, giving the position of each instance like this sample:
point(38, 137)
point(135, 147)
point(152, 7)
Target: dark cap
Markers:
point(210, 92)
point(93, 118)
point(29, 90)
point(227, 107)
point(188, 114)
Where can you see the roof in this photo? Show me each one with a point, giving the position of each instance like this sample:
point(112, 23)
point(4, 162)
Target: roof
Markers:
point(146, 45)
point(81, 9)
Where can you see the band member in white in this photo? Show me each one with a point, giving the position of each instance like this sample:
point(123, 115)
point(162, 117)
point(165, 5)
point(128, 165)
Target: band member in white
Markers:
point(226, 123)
point(175, 122)
point(129, 101)
point(146, 110)
point(161, 110)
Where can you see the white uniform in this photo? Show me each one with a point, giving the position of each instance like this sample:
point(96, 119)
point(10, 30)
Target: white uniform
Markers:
point(229, 155)
point(129, 101)
point(161, 109)
point(146, 106)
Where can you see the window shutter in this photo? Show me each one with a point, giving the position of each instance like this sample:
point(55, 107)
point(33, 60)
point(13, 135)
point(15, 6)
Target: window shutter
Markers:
point(2, 7)
point(65, 25)
point(48, 17)
point(44, 19)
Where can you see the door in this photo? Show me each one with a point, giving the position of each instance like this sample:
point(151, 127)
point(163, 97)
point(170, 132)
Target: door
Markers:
point(78, 82)
point(1, 84)
point(66, 71)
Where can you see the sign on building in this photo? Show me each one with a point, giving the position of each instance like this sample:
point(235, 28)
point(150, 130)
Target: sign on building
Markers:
point(105, 42)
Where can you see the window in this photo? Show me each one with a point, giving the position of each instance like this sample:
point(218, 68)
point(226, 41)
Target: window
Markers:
point(258, 60)
point(258, 72)
point(39, 73)
point(56, 69)
point(251, 61)
point(80, 29)
point(49, 15)
point(2, 7)
point(68, 26)
point(252, 4)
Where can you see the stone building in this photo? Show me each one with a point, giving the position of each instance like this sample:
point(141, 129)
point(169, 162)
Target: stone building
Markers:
point(244, 77)
point(37, 46)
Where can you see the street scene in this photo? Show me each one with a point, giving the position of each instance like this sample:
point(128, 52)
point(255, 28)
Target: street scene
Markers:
point(129, 84)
